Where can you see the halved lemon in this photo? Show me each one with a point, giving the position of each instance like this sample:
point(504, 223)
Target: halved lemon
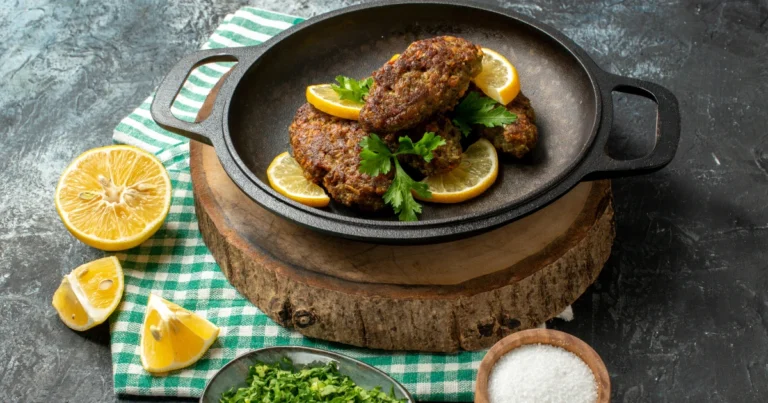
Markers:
point(324, 98)
point(90, 293)
point(173, 337)
point(498, 79)
point(477, 172)
point(286, 176)
point(114, 198)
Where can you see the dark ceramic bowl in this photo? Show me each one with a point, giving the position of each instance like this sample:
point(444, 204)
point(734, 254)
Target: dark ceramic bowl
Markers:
point(236, 371)
point(249, 122)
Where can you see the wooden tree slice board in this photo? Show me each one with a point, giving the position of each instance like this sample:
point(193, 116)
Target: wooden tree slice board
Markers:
point(465, 294)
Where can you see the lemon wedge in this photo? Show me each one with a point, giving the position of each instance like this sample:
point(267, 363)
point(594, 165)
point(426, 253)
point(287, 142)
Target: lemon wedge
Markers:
point(90, 293)
point(498, 79)
point(324, 98)
point(477, 172)
point(173, 337)
point(114, 198)
point(287, 178)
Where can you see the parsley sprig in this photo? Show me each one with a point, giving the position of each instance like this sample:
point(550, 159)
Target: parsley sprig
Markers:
point(352, 89)
point(478, 109)
point(272, 383)
point(376, 158)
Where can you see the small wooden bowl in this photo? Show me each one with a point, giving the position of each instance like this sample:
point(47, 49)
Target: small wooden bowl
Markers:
point(543, 336)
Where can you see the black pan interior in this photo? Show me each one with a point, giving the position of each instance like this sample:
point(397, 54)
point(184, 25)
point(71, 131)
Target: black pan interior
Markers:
point(355, 44)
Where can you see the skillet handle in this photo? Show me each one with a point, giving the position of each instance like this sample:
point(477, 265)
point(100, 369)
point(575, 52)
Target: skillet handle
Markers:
point(172, 83)
point(667, 130)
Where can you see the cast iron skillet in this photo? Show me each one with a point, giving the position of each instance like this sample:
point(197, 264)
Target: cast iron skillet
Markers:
point(571, 94)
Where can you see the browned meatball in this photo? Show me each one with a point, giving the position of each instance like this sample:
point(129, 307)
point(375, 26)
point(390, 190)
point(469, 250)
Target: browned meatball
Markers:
point(446, 157)
point(327, 148)
point(428, 78)
point(518, 138)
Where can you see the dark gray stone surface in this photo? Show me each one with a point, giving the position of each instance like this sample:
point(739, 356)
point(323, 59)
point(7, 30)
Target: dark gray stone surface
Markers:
point(679, 314)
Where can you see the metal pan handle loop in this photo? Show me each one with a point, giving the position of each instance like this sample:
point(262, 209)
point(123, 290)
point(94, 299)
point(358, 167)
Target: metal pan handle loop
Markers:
point(171, 85)
point(667, 130)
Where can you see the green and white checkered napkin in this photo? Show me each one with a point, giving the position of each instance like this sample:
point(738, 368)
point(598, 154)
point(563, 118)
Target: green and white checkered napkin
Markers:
point(176, 264)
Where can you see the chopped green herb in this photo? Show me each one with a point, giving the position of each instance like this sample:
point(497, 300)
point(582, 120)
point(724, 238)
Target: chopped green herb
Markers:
point(376, 159)
point(401, 199)
point(352, 89)
point(479, 109)
point(272, 383)
point(423, 147)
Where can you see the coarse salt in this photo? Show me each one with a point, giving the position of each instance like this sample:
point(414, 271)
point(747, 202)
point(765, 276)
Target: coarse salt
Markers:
point(541, 373)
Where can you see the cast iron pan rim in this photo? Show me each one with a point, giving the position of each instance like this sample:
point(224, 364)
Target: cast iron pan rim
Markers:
point(496, 217)
point(330, 354)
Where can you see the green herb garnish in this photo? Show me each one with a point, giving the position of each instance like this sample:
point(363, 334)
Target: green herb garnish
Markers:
point(352, 89)
point(376, 159)
point(478, 109)
point(272, 383)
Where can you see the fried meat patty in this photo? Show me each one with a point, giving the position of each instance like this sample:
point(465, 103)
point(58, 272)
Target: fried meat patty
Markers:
point(518, 138)
point(446, 157)
point(327, 149)
point(429, 77)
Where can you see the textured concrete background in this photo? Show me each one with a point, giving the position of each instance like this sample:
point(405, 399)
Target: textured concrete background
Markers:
point(679, 314)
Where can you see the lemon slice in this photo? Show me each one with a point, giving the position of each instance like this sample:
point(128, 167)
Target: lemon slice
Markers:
point(90, 293)
point(173, 337)
point(114, 198)
point(324, 98)
point(476, 173)
point(498, 79)
point(286, 176)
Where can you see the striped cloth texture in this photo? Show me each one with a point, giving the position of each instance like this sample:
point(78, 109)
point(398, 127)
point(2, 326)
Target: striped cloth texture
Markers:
point(175, 263)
